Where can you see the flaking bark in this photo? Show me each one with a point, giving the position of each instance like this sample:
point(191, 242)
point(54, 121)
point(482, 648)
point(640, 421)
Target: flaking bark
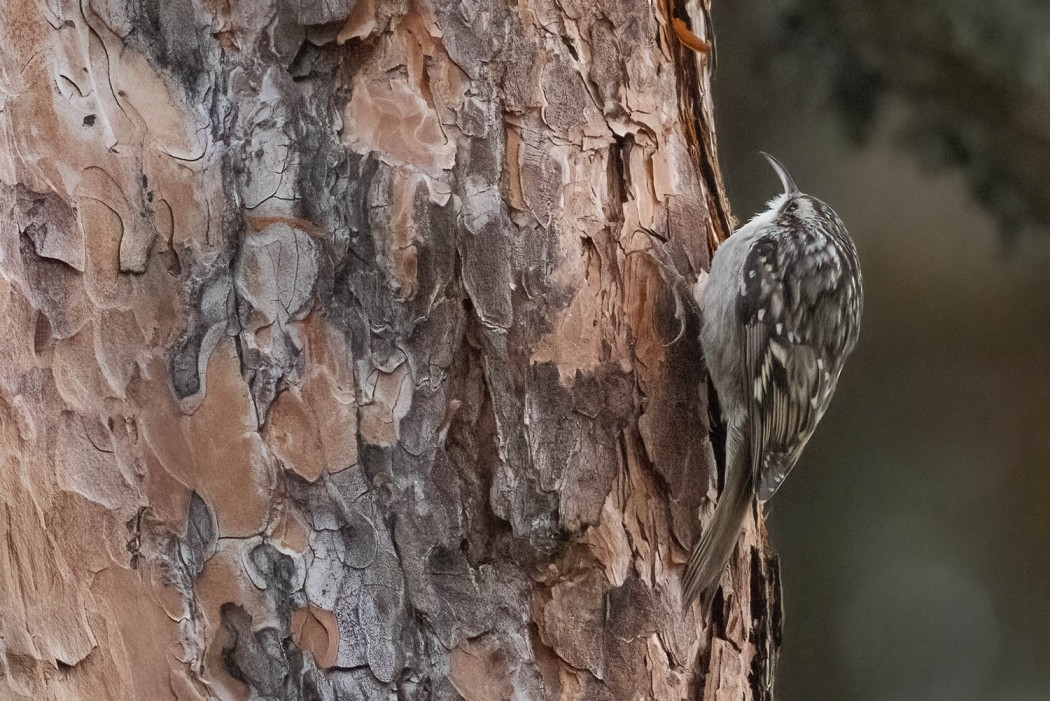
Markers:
point(337, 359)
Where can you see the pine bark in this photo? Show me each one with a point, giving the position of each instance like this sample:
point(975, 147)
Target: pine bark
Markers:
point(347, 354)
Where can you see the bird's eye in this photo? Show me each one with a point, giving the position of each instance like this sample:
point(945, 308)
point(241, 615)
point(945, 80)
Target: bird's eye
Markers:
point(793, 207)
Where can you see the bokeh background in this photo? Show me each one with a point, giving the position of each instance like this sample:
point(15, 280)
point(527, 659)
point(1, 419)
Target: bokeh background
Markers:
point(915, 532)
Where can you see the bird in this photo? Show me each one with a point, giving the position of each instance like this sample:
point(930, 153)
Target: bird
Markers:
point(780, 314)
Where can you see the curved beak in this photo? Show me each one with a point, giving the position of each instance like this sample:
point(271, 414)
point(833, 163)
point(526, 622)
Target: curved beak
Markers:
point(785, 178)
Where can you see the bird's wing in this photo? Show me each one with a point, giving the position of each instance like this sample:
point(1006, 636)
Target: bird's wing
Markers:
point(791, 383)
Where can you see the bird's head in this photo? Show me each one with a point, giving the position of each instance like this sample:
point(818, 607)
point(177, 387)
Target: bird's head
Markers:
point(793, 207)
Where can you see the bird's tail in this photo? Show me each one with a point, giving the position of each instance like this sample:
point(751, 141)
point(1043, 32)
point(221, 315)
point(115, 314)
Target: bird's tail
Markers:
point(708, 559)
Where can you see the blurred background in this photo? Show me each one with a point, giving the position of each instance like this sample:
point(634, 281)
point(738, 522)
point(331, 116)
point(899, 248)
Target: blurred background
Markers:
point(915, 533)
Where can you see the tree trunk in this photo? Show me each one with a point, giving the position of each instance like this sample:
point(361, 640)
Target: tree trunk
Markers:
point(338, 362)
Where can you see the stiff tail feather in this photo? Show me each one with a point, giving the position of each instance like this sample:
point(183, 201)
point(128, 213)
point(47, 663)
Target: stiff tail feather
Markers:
point(708, 559)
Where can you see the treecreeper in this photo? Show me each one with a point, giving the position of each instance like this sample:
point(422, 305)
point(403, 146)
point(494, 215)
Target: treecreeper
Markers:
point(780, 315)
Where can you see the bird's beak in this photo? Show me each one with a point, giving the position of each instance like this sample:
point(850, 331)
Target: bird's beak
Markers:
point(785, 178)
